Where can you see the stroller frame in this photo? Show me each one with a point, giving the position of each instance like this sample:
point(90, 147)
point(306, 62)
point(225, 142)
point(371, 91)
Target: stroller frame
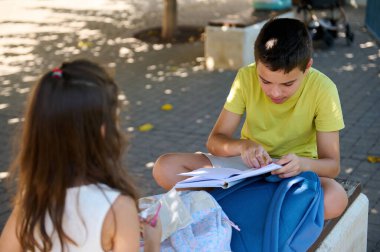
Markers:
point(326, 29)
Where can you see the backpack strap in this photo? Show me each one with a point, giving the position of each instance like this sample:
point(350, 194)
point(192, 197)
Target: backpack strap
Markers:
point(295, 214)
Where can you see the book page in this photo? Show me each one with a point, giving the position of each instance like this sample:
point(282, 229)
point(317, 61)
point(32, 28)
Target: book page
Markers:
point(200, 183)
point(230, 162)
point(221, 177)
point(213, 173)
point(255, 172)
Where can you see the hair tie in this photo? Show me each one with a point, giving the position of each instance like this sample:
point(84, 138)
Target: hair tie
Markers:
point(56, 73)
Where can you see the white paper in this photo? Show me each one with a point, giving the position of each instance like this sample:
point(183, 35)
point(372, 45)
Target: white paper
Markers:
point(221, 177)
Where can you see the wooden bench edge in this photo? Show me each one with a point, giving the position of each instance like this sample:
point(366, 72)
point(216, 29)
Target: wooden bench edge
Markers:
point(353, 189)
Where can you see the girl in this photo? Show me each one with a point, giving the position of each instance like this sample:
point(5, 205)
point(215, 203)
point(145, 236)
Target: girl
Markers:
point(73, 194)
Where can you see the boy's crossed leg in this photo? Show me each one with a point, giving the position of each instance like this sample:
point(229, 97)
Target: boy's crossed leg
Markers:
point(167, 167)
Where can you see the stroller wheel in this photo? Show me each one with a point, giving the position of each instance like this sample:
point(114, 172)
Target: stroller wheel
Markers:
point(328, 39)
point(349, 38)
point(349, 35)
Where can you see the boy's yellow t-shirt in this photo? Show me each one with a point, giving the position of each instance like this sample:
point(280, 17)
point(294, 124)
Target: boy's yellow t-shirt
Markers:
point(289, 127)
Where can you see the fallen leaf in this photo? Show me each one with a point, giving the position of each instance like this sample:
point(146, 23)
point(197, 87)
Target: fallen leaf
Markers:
point(84, 44)
point(167, 107)
point(146, 127)
point(373, 159)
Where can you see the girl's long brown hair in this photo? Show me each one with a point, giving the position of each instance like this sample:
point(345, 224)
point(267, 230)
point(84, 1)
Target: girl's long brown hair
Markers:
point(70, 136)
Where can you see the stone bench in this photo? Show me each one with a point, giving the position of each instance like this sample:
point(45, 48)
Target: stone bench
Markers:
point(349, 231)
point(229, 40)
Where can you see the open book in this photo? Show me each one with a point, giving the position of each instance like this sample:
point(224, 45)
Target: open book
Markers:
point(221, 177)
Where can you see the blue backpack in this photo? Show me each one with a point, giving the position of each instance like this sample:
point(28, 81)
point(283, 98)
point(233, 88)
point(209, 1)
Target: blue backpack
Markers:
point(274, 214)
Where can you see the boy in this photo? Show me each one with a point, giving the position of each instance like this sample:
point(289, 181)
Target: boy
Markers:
point(293, 114)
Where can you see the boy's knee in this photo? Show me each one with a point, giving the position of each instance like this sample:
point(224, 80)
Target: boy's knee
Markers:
point(161, 170)
point(160, 164)
point(335, 208)
point(335, 200)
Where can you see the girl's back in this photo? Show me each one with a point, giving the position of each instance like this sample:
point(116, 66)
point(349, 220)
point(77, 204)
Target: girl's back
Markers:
point(86, 208)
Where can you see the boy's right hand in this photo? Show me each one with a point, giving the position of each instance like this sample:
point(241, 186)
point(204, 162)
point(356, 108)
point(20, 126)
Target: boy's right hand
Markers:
point(253, 154)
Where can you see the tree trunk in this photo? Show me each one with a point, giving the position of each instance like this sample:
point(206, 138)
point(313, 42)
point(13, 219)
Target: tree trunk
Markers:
point(169, 20)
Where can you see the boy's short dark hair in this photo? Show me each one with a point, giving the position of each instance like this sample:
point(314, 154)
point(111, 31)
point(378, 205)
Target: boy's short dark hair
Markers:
point(284, 44)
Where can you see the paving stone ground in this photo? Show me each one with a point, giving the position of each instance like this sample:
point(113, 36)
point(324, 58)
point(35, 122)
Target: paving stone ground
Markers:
point(38, 35)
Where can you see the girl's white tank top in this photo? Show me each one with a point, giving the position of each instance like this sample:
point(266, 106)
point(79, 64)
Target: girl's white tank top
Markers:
point(85, 210)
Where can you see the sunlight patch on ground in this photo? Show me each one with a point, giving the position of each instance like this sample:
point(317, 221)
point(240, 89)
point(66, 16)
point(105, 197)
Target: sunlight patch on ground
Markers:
point(3, 175)
point(349, 170)
point(4, 105)
point(349, 55)
point(348, 67)
point(29, 78)
point(9, 60)
point(7, 70)
point(15, 120)
point(25, 25)
point(367, 44)
point(16, 50)
point(149, 165)
point(104, 5)
point(17, 41)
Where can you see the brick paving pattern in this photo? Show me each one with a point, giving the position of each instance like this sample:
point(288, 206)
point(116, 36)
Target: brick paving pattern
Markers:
point(38, 35)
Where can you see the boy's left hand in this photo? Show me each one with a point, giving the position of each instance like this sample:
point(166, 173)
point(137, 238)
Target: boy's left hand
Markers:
point(292, 166)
